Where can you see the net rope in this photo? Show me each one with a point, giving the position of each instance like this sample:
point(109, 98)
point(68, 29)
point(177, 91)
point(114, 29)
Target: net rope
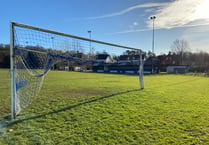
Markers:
point(37, 51)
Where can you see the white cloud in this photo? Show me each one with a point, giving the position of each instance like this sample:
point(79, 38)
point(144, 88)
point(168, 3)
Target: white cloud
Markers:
point(197, 37)
point(151, 10)
point(179, 13)
point(176, 14)
point(133, 26)
point(135, 23)
point(190, 26)
point(148, 5)
point(131, 31)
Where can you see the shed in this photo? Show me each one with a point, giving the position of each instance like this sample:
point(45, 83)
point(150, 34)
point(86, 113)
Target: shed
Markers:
point(177, 69)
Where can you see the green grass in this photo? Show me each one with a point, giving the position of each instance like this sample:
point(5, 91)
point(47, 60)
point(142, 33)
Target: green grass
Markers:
point(90, 108)
point(4, 92)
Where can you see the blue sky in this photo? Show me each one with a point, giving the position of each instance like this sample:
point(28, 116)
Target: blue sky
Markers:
point(125, 22)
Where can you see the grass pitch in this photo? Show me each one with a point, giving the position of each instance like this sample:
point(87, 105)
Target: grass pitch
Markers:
point(90, 108)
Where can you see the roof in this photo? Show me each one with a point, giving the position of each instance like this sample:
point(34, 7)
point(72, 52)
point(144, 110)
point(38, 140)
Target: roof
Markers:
point(178, 66)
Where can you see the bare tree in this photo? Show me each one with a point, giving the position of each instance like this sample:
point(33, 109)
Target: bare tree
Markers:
point(180, 47)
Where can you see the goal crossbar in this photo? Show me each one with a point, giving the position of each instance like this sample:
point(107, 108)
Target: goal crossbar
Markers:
point(72, 36)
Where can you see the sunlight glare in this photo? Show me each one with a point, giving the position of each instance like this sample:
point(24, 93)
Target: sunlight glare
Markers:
point(202, 11)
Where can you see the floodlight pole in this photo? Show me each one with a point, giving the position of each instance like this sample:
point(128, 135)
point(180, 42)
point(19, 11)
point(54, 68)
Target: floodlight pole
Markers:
point(153, 39)
point(12, 73)
point(52, 48)
point(141, 72)
point(90, 49)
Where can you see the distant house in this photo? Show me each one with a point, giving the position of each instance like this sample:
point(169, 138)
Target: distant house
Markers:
point(125, 64)
point(168, 60)
point(102, 57)
point(177, 69)
point(151, 63)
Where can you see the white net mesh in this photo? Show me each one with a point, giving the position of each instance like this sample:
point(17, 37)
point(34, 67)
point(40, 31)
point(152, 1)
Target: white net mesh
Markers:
point(36, 51)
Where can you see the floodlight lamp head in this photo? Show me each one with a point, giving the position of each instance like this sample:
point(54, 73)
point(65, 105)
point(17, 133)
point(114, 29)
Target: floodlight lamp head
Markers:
point(153, 17)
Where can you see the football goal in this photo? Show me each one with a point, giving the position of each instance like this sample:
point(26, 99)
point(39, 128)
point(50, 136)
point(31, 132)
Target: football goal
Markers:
point(35, 51)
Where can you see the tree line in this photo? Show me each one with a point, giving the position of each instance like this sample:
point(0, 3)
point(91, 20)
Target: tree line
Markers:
point(4, 56)
point(179, 54)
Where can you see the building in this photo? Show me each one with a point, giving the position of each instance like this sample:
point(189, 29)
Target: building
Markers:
point(177, 69)
point(124, 65)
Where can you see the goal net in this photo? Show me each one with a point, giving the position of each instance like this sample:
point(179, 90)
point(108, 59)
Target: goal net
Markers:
point(35, 51)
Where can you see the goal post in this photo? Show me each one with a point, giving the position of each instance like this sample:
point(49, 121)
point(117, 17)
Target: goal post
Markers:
point(34, 51)
point(141, 72)
point(12, 73)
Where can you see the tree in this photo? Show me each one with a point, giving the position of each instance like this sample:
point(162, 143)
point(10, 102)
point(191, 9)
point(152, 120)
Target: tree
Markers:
point(180, 47)
point(4, 56)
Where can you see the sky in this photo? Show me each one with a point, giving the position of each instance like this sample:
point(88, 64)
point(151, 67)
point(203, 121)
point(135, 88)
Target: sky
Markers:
point(124, 22)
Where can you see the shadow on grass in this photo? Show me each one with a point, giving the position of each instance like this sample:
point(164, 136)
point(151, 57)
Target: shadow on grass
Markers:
point(10, 123)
